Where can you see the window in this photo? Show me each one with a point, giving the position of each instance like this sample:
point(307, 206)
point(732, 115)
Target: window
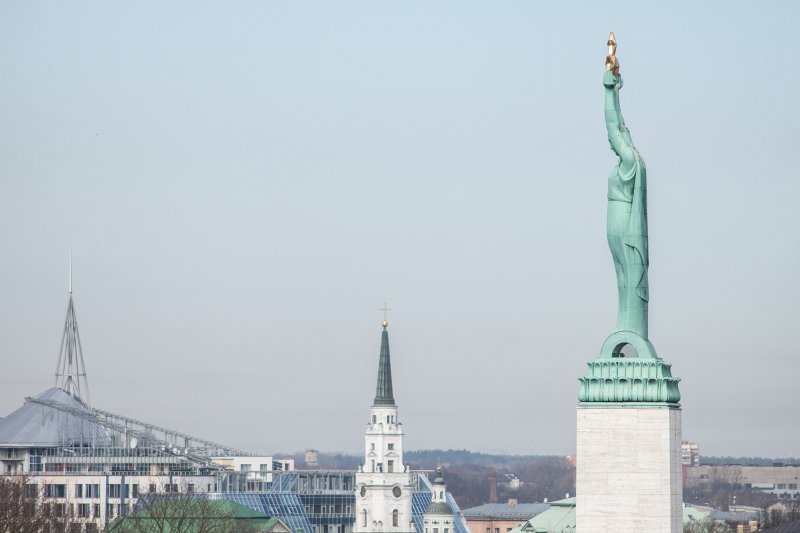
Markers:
point(497, 530)
point(152, 488)
point(387, 419)
point(781, 485)
point(391, 466)
point(488, 530)
point(395, 518)
point(112, 491)
point(793, 486)
point(436, 530)
point(508, 529)
point(372, 446)
point(135, 490)
point(364, 515)
point(79, 490)
point(190, 487)
point(83, 510)
point(55, 490)
point(374, 419)
point(245, 468)
point(109, 511)
point(447, 530)
point(391, 446)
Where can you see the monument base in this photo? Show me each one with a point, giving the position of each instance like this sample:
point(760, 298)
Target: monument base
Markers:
point(629, 474)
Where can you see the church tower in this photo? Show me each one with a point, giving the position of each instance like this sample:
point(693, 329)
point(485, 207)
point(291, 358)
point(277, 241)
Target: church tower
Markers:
point(383, 482)
point(438, 517)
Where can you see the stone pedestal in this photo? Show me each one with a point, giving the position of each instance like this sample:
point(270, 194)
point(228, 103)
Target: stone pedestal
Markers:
point(629, 469)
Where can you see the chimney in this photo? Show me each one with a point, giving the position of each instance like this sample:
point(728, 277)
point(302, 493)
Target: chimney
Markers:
point(493, 487)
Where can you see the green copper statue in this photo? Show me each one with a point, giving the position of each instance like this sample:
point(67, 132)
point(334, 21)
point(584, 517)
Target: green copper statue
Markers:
point(620, 376)
point(627, 209)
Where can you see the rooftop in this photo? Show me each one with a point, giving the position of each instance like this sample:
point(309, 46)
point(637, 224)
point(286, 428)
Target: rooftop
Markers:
point(35, 424)
point(519, 511)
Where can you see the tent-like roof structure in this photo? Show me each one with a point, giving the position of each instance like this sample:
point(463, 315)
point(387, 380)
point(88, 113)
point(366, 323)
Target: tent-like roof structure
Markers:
point(37, 425)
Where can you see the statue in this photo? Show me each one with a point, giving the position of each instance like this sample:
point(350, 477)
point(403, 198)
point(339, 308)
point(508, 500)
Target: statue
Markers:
point(627, 209)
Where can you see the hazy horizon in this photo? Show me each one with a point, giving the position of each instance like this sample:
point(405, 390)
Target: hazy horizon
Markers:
point(245, 185)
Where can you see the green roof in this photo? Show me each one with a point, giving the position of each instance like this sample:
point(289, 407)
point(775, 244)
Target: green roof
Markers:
point(194, 514)
point(559, 518)
point(439, 508)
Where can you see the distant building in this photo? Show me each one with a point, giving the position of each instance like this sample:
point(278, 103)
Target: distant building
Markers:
point(312, 458)
point(690, 453)
point(782, 481)
point(501, 517)
point(254, 472)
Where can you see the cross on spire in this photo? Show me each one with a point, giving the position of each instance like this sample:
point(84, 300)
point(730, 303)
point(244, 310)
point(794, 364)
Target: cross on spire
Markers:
point(385, 310)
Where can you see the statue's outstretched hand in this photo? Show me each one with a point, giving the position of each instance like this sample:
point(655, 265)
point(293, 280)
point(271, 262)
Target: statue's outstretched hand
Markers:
point(612, 81)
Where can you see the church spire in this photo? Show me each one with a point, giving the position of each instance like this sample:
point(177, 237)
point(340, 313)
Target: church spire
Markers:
point(383, 390)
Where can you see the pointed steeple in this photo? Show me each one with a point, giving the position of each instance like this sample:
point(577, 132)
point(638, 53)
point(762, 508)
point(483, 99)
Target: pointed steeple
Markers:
point(71, 370)
point(383, 390)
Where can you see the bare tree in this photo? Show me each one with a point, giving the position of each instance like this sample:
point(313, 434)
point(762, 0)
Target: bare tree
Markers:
point(180, 513)
point(25, 509)
point(707, 526)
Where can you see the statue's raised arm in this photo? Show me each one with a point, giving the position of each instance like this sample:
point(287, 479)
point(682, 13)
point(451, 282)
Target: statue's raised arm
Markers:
point(618, 134)
point(627, 209)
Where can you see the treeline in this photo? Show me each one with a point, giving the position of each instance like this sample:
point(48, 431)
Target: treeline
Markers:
point(424, 459)
point(470, 475)
point(748, 461)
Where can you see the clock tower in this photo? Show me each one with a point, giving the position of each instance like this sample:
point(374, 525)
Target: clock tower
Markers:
point(383, 482)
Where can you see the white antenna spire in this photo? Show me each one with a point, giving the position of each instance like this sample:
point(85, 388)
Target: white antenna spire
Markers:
point(70, 267)
point(71, 370)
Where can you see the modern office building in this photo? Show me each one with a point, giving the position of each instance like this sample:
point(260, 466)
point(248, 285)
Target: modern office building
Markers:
point(92, 465)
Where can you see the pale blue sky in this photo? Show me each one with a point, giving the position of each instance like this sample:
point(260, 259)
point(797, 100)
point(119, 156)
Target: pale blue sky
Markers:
point(245, 183)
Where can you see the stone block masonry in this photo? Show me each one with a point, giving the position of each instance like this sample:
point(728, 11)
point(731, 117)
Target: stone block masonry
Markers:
point(628, 477)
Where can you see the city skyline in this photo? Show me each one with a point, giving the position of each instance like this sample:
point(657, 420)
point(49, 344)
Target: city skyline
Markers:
point(244, 188)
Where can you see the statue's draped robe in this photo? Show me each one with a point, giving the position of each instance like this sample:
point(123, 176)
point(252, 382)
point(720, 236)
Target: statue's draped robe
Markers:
point(627, 238)
point(636, 236)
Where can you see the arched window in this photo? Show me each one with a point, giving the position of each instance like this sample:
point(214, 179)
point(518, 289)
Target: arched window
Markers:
point(441, 495)
point(395, 518)
point(364, 514)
